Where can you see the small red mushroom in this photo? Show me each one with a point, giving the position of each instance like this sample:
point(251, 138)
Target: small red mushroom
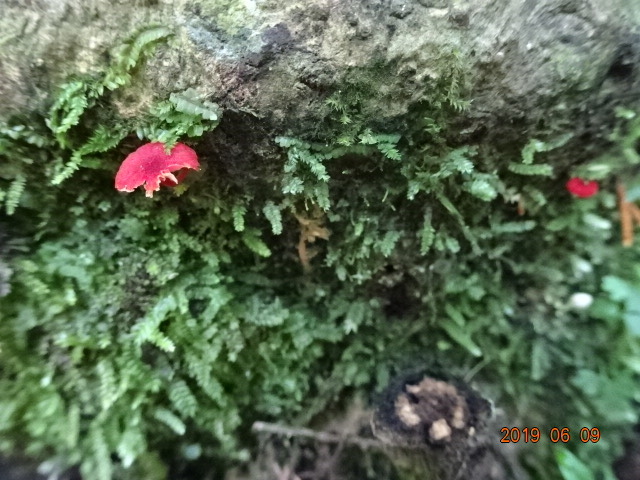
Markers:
point(151, 166)
point(582, 188)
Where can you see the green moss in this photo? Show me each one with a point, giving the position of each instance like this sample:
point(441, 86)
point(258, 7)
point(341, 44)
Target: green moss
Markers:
point(146, 328)
point(231, 16)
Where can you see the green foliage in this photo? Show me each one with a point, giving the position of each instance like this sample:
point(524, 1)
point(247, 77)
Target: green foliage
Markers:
point(251, 238)
point(426, 234)
point(65, 113)
point(238, 212)
point(571, 467)
point(102, 140)
point(183, 399)
point(622, 157)
point(68, 146)
point(305, 174)
point(75, 139)
point(453, 84)
point(183, 115)
point(129, 53)
point(78, 96)
point(135, 328)
point(170, 420)
point(538, 169)
point(534, 146)
point(14, 193)
point(272, 213)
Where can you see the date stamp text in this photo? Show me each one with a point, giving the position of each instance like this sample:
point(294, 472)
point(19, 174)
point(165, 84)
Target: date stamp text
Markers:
point(555, 434)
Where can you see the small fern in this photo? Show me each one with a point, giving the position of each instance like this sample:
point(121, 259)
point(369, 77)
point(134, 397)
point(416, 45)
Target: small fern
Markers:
point(426, 234)
point(182, 398)
point(448, 205)
point(66, 111)
point(388, 242)
point(189, 102)
point(78, 96)
point(534, 196)
point(73, 426)
point(99, 465)
point(535, 146)
point(513, 227)
point(102, 140)
point(386, 144)
point(107, 380)
point(237, 213)
point(272, 213)
point(171, 420)
point(305, 172)
point(128, 55)
point(132, 444)
point(200, 370)
point(184, 114)
point(12, 197)
point(480, 186)
point(265, 314)
point(147, 329)
point(251, 238)
point(541, 169)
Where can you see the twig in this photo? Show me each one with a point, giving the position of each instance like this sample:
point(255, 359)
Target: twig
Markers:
point(626, 218)
point(635, 212)
point(327, 437)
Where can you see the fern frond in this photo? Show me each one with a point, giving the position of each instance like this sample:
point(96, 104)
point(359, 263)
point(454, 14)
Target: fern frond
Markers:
point(535, 145)
point(457, 160)
point(542, 169)
point(390, 151)
point(67, 109)
point(170, 420)
point(446, 203)
point(273, 214)
point(72, 432)
point(514, 227)
point(24, 133)
point(12, 197)
point(292, 185)
point(388, 242)
point(237, 213)
point(128, 55)
point(132, 442)
point(479, 187)
point(444, 241)
point(108, 388)
point(265, 314)
point(147, 329)
point(367, 137)
point(101, 140)
point(427, 234)
point(182, 398)
point(200, 370)
point(530, 148)
point(534, 195)
point(189, 102)
point(98, 465)
point(251, 238)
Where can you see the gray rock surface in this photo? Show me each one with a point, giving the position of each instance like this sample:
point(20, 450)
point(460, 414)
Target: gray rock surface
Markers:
point(529, 61)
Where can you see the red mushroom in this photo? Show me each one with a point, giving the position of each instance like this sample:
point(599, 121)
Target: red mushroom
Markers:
point(151, 166)
point(582, 188)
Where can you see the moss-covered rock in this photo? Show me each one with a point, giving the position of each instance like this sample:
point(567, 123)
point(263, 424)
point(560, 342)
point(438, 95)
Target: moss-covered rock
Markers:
point(382, 190)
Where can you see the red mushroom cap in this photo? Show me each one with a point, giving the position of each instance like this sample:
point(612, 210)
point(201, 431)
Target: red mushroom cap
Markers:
point(582, 188)
point(151, 166)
